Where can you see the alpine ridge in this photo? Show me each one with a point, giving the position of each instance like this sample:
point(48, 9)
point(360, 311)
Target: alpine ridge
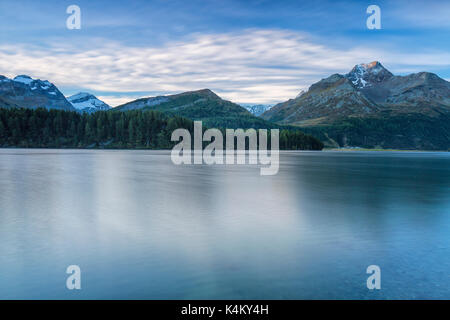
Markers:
point(25, 92)
point(86, 102)
point(202, 105)
point(371, 107)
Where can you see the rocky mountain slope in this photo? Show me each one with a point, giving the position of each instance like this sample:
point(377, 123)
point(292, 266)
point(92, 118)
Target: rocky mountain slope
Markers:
point(202, 105)
point(86, 102)
point(328, 98)
point(371, 107)
point(25, 92)
point(366, 90)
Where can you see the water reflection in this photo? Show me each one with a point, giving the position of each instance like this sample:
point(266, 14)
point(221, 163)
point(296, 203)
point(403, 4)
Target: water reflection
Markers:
point(141, 227)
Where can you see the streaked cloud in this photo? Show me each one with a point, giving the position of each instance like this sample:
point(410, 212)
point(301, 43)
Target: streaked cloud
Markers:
point(249, 66)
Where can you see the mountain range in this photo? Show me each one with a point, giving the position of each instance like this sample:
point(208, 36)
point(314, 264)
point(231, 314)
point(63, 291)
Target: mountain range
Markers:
point(371, 107)
point(367, 107)
point(202, 105)
point(26, 92)
point(205, 105)
point(365, 90)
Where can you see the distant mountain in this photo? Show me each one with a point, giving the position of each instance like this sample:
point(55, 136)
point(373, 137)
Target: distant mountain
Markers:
point(257, 109)
point(25, 92)
point(202, 105)
point(86, 102)
point(366, 75)
point(371, 107)
point(332, 97)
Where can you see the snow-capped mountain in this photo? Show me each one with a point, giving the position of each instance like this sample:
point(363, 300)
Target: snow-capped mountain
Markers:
point(257, 109)
point(26, 92)
point(368, 74)
point(86, 102)
point(368, 89)
point(372, 108)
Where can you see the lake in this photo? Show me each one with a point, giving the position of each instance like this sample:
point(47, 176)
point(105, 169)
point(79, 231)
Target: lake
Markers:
point(140, 227)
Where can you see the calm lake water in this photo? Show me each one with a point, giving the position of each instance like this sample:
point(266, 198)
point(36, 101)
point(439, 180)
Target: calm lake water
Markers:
point(140, 227)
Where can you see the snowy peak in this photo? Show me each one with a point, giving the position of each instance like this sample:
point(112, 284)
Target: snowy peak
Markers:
point(86, 102)
point(257, 109)
point(43, 86)
point(81, 96)
point(34, 83)
point(23, 79)
point(25, 92)
point(367, 74)
point(373, 67)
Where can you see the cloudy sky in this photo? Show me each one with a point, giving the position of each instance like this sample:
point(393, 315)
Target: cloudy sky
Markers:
point(249, 51)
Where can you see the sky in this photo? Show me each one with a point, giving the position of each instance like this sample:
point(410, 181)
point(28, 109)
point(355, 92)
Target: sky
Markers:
point(250, 51)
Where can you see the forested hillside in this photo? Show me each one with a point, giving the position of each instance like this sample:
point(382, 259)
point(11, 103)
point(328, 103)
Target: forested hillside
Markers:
point(42, 128)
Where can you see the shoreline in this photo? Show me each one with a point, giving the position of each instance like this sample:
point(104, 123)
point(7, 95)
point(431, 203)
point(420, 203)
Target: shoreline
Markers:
point(281, 150)
point(379, 149)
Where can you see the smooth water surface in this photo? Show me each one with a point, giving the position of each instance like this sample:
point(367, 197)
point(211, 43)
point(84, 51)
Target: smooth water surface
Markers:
point(141, 227)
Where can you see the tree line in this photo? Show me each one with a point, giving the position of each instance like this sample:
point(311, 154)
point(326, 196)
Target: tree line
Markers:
point(142, 129)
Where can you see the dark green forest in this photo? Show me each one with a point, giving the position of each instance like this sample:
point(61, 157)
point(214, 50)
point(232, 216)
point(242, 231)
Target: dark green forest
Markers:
point(136, 129)
point(411, 131)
